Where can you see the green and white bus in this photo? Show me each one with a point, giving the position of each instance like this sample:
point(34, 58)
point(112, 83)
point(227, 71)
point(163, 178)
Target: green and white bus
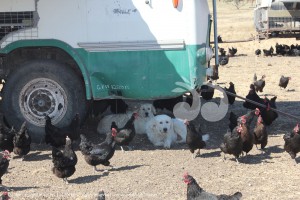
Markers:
point(57, 56)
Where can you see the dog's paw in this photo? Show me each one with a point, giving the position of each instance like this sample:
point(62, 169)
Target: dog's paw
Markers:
point(158, 144)
point(167, 145)
point(181, 141)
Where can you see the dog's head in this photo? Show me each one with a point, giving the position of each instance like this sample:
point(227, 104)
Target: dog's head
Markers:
point(163, 123)
point(146, 110)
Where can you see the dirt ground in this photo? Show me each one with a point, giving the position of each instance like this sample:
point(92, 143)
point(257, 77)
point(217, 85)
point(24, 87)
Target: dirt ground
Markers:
point(156, 173)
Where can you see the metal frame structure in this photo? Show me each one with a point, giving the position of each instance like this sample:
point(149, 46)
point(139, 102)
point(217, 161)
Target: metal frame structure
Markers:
point(280, 16)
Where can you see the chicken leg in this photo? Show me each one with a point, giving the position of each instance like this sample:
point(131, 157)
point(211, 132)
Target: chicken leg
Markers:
point(66, 181)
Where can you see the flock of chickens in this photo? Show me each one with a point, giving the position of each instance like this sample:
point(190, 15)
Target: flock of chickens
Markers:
point(62, 141)
point(280, 49)
point(239, 139)
point(12, 141)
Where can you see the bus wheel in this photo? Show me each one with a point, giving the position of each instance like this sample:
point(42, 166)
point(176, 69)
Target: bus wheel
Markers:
point(39, 88)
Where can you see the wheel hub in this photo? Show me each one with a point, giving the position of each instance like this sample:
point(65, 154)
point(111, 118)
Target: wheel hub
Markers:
point(41, 97)
point(41, 102)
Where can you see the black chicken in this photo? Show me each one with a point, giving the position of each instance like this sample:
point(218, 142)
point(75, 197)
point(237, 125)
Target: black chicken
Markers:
point(234, 120)
point(6, 137)
point(223, 60)
point(22, 141)
point(195, 139)
point(284, 81)
point(231, 89)
point(252, 95)
point(195, 192)
point(260, 133)
point(222, 51)
point(101, 195)
point(267, 113)
point(56, 136)
point(126, 134)
point(4, 163)
point(64, 161)
point(5, 196)
point(260, 84)
point(257, 52)
point(96, 154)
point(207, 92)
point(118, 106)
point(219, 39)
point(232, 143)
point(292, 142)
point(167, 103)
point(232, 51)
point(254, 78)
point(268, 52)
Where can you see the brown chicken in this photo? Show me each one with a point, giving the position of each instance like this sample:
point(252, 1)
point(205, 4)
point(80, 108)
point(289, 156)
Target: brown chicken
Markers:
point(96, 154)
point(292, 142)
point(4, 163)
point(5, 196)
point(246, 136)
point(126, 134)
point(195, 192)
point(260, 133)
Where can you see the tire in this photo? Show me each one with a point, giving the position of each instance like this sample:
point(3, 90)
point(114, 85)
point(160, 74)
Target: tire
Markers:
point(40, 88)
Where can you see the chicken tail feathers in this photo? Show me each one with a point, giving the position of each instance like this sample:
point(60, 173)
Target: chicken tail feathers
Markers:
point(238, 195)
point(223, 148)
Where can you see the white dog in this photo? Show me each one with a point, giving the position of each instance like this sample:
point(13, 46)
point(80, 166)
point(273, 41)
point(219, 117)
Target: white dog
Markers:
point(162, 130)
point(145, 113)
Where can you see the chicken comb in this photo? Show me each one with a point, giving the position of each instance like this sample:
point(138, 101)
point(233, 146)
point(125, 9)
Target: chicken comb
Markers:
point(239, 129)
point(114, 132)
point(296, 129)
point(135, 114)
point(186, 122)
point(268, 107)
point(243, 119)
point(185, 174)
point(6, 152)
point(259, 119)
